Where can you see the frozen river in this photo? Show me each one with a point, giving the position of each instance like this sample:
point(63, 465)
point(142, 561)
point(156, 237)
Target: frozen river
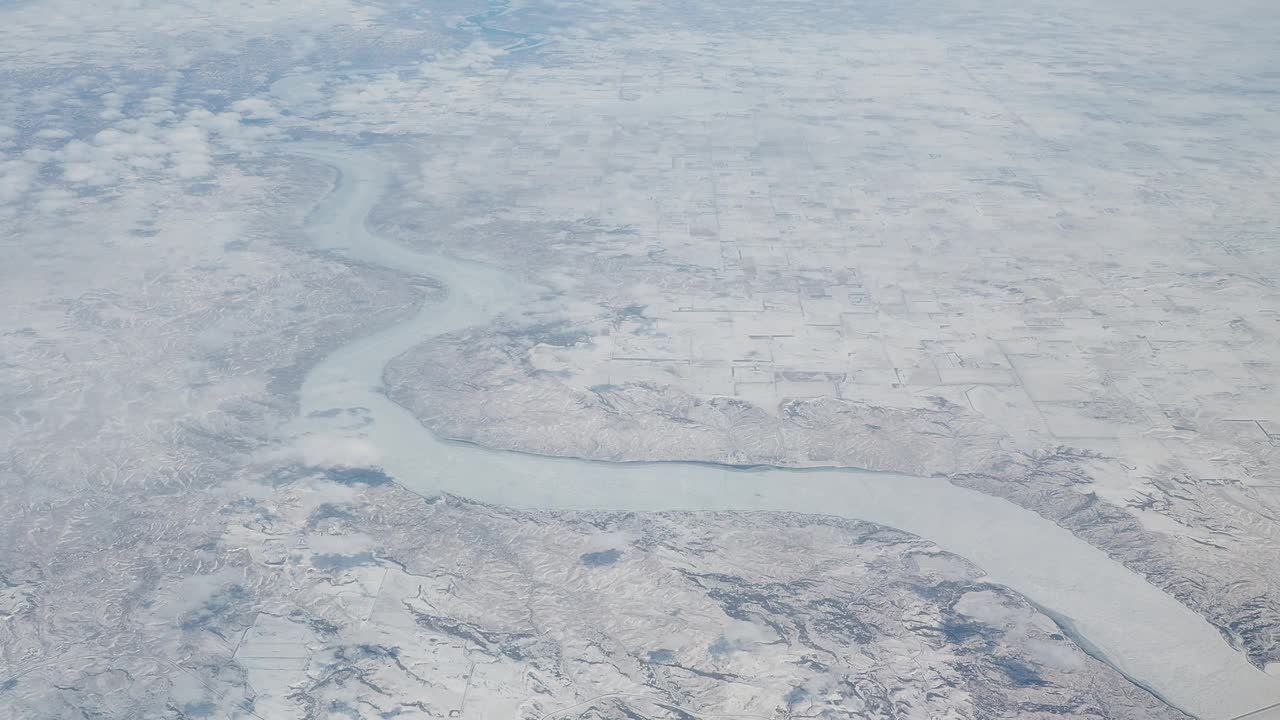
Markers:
point(1139, 629)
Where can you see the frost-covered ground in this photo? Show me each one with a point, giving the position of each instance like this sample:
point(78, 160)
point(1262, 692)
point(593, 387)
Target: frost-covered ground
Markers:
point(941, 237)
point(1033, 256)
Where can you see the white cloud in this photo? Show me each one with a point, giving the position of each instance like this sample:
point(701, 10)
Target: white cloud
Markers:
point(52, 134)
point(256, 108)
point(190, 154)
point(743, 635)
point(324, 492)
point(160, 142)
point(126, 31)
point(478, 55)
point(986, 607)
point(328, 450)
point(16, 177)
point(1058, 655)
point(341, 452)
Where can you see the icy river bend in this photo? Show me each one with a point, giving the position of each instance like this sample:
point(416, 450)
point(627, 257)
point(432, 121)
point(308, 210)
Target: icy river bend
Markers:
point(1115, 613)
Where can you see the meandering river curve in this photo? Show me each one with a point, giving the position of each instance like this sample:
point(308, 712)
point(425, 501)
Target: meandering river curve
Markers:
point(1113, 612)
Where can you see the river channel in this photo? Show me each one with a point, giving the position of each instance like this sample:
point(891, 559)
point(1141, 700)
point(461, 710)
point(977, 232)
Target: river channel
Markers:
point(1111, 611)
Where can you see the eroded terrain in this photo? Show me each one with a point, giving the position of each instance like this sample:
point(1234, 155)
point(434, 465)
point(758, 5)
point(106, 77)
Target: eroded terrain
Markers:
point(341, 595)
point(1027, 247)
